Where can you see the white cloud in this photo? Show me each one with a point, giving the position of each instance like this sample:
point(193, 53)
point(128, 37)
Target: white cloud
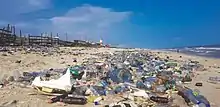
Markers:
point(86, 20)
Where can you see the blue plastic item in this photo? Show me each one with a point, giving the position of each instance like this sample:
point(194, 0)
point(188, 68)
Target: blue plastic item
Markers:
point(120, 75)
point(120, 89)
point(140, 84)
point(196, 99)
point(98, 90)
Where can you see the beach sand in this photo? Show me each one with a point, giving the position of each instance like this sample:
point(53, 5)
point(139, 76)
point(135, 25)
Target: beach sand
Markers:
point(36, 62)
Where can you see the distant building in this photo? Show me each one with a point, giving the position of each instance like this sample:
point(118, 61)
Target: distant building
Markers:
point(80, 41)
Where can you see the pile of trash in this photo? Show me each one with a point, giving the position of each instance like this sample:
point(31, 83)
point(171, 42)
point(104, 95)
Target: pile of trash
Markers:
point(141, 79)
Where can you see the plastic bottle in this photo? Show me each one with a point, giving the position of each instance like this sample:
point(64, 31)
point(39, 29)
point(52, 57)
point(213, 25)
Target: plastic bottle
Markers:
point(189, 94)
point(16, 75)
point(159, 99)
point(98, 99)
point(140, 84)
point(56, 99)
point(160, 88)
point(73, 100)
point(181, 93)
point(203, 102)
point(196, 98)
point(104, 83)
point(120, 89)
point(94, 91)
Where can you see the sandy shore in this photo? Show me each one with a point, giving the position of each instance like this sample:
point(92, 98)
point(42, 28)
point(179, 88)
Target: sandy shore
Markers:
point(36, 62)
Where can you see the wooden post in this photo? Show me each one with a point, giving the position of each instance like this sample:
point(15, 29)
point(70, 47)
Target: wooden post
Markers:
point(29, 40)
point(21, 38)
point(51, 38)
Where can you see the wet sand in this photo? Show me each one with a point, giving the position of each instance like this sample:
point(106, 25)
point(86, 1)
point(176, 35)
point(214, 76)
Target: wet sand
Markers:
point(35, 62)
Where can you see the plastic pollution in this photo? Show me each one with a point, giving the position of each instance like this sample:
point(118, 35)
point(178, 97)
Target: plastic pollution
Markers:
point(94, 91)
point(122, 104)
point(194, 97)
point(91, 99)
point(160, 88)
point(171, 64)
point(134, 70)
point(63, 83)
point(16, 75)
point(148, 85)
point(214, 80)
point(140, 84)
point(141, 93)
point(57, 98)
point(98, 90)
point(104, 83)
point(159, 99)
point(120, 75)
point(74, 100)
point(3, 80)
point(120, 89)
point(79, 90)
point(187, 78)
point(198, 84)
point(148, 82)
point(203, 102)
point(98, 99)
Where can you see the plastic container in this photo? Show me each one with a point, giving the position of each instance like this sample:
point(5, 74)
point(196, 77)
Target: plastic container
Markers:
point(16, 75)
point(159, 99)
point(160, 88)
point(189, 94)
point(56, 99)
point(140, 84)
point(148, 82)
point(73, 100)
point(195, 98)
point(104, 83)
point(94, 91)
point(120, 75)
point(148, 85)
point(120, 89)
point(203, 102)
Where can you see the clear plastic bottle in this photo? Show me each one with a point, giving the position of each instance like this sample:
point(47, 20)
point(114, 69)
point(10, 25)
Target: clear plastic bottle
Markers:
point(16, 75)
point(94, 91)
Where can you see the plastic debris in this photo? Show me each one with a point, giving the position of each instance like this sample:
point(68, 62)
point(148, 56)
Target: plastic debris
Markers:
point(140, 78)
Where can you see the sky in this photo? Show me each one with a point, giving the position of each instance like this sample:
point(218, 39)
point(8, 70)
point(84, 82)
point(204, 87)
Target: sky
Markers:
point(126, 23)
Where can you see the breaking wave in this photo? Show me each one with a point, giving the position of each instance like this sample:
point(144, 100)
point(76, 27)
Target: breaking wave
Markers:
point(199, 51)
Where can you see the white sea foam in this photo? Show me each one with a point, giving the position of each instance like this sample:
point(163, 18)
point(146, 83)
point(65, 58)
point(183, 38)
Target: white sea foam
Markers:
point(208, 48)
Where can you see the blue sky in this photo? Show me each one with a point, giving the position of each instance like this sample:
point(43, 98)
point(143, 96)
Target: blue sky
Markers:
point(131, 23)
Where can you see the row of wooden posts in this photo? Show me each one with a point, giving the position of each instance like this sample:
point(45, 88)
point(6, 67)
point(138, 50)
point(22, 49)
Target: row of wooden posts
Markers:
point(8, 37)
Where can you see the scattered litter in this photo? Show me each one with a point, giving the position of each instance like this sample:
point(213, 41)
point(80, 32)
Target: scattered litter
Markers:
point(198, 84)
point(140, 78)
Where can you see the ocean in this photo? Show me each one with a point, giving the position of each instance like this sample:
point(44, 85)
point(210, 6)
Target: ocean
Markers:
point(205, 51)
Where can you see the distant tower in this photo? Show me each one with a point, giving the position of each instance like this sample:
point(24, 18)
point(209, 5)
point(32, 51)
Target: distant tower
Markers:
point(101, 42)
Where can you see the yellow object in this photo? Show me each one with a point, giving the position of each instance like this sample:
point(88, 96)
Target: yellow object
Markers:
point(91, 99)
point(45, 89)
point(177, 68)
point(46, 93)
point(100, 61)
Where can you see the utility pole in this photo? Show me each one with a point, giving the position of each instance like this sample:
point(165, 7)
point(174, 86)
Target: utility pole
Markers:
point(66, 37)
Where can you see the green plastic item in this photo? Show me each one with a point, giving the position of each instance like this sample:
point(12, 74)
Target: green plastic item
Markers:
point(74, 71)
